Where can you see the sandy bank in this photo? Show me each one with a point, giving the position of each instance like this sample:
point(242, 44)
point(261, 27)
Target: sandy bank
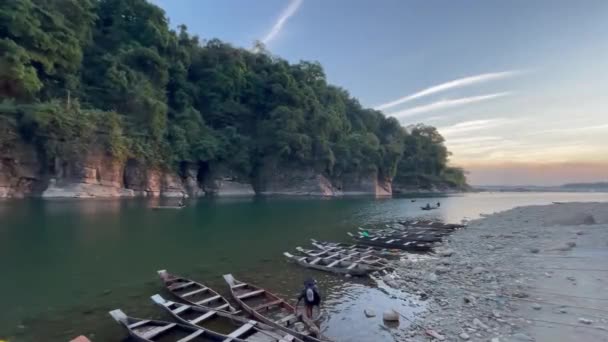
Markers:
point(536, 273)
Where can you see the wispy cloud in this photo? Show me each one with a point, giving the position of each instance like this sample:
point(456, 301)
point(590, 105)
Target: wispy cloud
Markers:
point(461, 82)
point(289, 11)
point(474, 125)
point(444, 104)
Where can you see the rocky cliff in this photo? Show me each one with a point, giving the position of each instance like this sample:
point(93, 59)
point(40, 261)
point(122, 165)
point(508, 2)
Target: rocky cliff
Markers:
point(23, 172)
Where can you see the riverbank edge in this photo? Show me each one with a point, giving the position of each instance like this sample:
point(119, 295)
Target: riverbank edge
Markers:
point(480, 283)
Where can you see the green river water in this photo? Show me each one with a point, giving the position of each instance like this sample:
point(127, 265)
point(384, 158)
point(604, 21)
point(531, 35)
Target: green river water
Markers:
point(66, 263)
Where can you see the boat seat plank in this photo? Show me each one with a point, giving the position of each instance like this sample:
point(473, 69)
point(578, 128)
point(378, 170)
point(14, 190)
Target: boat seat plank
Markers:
point(240, 331)
point(208, 300)
point(191, 293)
point(180, 286)
point(202, 317)
point(148, 335)
point(334, 263)
point(223, 307)
point(286, 319)
point(140, 323)
point(191, 336)
point(251, 294)
point(180, 309)
point(316, 261)
point(239, 285)
point(266, 305)
point(353, 265)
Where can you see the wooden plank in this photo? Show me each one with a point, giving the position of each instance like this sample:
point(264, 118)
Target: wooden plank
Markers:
point(202, 317)
point(207, 300)
point(316, 261)
point(353, 265)
point(194, 292)
point(242, 330)
point(180, 309)
point(251, 294)
point(157, 331)
point(334, 263)
point(222, 307)
point(181, 286)
point(238, 286)
point(191, 336)
point(140, 323)
point(266, 305)
point(286, 319)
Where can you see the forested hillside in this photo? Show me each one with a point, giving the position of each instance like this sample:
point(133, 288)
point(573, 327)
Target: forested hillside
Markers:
point(110, 75)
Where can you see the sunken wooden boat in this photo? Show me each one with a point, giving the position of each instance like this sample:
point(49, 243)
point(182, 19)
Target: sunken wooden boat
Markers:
point(194, 293)
point(367, 250)
point(339, 266)
point(223, 323)
point(409, 245)
point(152, 330)
point(364, 258)
point(268, 308)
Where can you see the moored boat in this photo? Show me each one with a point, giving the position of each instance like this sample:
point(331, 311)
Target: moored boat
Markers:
point(346, 247)
point(147, 330)
point(398, 243)
point(340, 266)
point(365, 258)
point(194, 293)
point(231, 325)
point(268, 308)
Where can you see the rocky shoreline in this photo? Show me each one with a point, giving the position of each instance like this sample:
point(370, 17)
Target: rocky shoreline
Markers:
point(536, 273)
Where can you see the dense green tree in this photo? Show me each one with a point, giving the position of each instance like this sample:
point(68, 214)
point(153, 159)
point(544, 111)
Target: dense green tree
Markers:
point(162, 96)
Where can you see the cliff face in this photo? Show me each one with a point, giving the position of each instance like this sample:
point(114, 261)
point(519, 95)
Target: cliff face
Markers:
point(97, 174)
point(20, 171)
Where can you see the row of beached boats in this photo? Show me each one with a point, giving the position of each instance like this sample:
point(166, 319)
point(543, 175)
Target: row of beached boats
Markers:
point(204, 315)
point(372, 248)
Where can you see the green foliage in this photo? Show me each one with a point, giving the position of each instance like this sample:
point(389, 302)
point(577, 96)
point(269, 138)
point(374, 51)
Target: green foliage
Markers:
point(143, 91)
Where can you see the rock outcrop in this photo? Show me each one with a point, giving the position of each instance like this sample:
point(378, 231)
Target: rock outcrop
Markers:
point(20, 172)
point(289, 181)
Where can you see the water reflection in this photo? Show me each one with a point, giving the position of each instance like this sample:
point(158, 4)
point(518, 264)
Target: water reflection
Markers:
point(70, 261)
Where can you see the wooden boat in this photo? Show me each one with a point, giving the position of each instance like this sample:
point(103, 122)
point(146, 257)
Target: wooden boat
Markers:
point(194, 293)
point(402, 236)
point(340, 266)
point(405, 233)
point(268, 308)
point(152, 330)
point(171, 207)
point(394, 243)
point(231, 325)
point(364, 258)
point(369, 250)
point(429, 208)
point(431, 224)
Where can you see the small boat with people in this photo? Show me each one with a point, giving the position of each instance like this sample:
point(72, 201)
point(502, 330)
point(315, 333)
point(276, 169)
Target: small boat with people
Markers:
point(340, 266)
point(148, 330)
point(269, 308)
point(233, 326)
point(194, 293)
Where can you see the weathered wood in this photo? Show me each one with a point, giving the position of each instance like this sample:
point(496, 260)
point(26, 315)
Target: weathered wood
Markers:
point(157, 331)
point(251, 294)
point(192, 336)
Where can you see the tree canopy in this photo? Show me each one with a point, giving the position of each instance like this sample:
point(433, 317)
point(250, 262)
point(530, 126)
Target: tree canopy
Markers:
point(168, 97)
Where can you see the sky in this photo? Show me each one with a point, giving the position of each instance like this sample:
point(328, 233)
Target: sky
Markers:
point(519, 89)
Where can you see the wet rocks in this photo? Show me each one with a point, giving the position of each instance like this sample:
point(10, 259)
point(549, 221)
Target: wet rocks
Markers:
point(464, 336)
point(442, 269)
point(536, 306)
point(446, 253)
point(585, 321)
point(435, 335)
point(479, 270)
point(369, 313)
point(390, 316)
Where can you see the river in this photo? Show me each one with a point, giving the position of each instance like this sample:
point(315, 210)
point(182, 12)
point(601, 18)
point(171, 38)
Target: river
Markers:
point(66, 263)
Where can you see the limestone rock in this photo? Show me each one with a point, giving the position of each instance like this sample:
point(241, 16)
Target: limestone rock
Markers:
point(390, 316)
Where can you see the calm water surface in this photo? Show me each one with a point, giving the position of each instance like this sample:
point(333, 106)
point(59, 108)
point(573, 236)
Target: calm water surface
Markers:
point(66, 263)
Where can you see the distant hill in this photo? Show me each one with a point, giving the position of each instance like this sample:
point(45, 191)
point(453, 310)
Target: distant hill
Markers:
point(596, 186)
